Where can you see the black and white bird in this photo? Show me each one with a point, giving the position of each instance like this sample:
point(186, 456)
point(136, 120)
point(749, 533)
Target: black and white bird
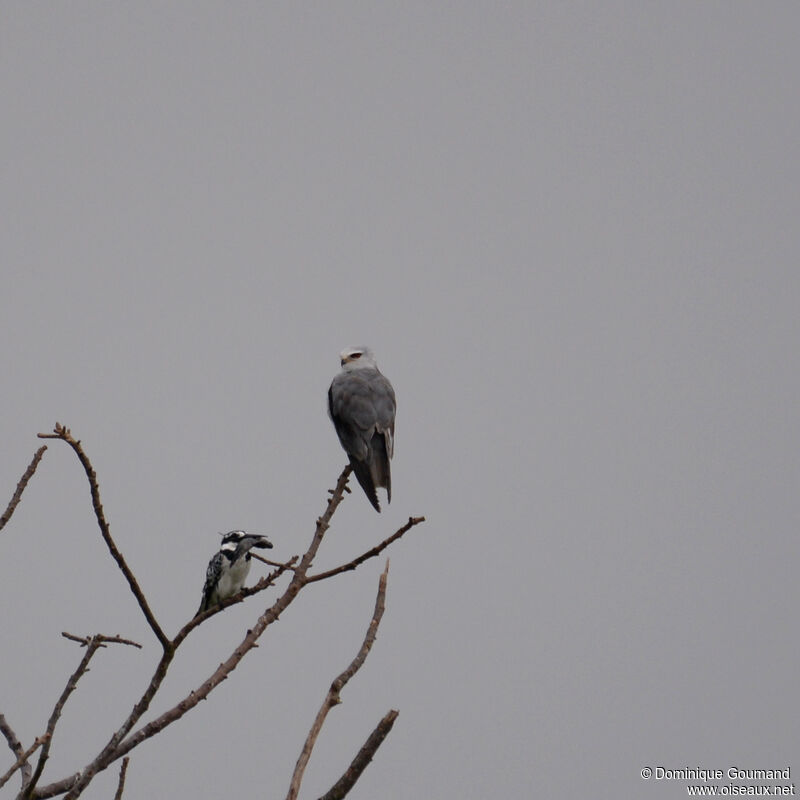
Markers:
point(362, 405)
point(228, 569)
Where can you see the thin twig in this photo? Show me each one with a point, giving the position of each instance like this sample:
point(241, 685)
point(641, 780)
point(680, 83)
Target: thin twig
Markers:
point(121, 785)
point(23, 482)
point(332, 698)
point(362, 759)
point(323, 523)
point(63, 433)
point(23, 758)
point(100, 638)
point(377, 550)
point(92, 644)
point(16, 748)
point(285, 565)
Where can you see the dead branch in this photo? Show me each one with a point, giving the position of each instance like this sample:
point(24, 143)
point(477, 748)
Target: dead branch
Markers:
point(16, 748)
point(332, 698)
point(323, 523)
point(362, 759)
point(371, 553)
point(121, 785)
point(100, 639)
point(267, 618)
point(23, 482)
point(23, 759)
point(63, 433)
point(124, 740)
point(285, 565)
point(116, 747)
point(92, 644)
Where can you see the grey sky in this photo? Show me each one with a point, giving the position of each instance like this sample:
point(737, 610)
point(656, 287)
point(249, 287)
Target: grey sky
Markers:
point(568, 231)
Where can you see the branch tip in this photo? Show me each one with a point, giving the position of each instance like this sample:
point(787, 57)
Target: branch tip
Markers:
point(62, 432)
point(363, 758)
point(23, 482)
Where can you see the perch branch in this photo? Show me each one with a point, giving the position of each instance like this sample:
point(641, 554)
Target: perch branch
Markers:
point(377, 550)
point(323, 523)
point(63, 433)
point(267, 618)
point(332, 698)
point(23, 482)
point(362, 759)
point(74, 784)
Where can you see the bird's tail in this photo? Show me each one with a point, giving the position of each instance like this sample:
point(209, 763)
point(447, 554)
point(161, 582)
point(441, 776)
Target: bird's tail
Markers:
point(379, 464)
point(363, 474)
point(374, 472)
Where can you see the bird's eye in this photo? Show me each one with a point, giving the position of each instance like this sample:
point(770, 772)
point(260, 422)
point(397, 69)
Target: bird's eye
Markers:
point(356, 355)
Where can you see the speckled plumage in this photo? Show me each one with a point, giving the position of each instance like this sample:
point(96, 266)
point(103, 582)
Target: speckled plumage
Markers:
point(228, 568)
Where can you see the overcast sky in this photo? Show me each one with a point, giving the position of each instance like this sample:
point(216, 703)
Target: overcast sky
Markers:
point(570, 233)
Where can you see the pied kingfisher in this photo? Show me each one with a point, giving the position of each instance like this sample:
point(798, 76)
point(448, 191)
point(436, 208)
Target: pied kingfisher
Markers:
point(228, 569)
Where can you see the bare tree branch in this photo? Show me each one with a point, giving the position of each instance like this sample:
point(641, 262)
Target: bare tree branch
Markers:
point(332, 698)
point(323, 523)
point(23, 759)
point(121, 785)
point(362, 759)
point(85, 641)
point(23, 482)
point(116, 747)
point(76, 783)
point(123, 741)
point(377, 550)
point(92, 644)
point(63, 433)
point(16, 748)
point(285, 565)
point(271, 615)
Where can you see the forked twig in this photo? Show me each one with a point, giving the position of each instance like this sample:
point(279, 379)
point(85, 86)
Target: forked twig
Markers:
point(23, 482)
point(332, 698)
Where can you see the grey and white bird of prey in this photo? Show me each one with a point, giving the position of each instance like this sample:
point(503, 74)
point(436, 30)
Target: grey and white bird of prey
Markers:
point(362, 405)
point(228, 569)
